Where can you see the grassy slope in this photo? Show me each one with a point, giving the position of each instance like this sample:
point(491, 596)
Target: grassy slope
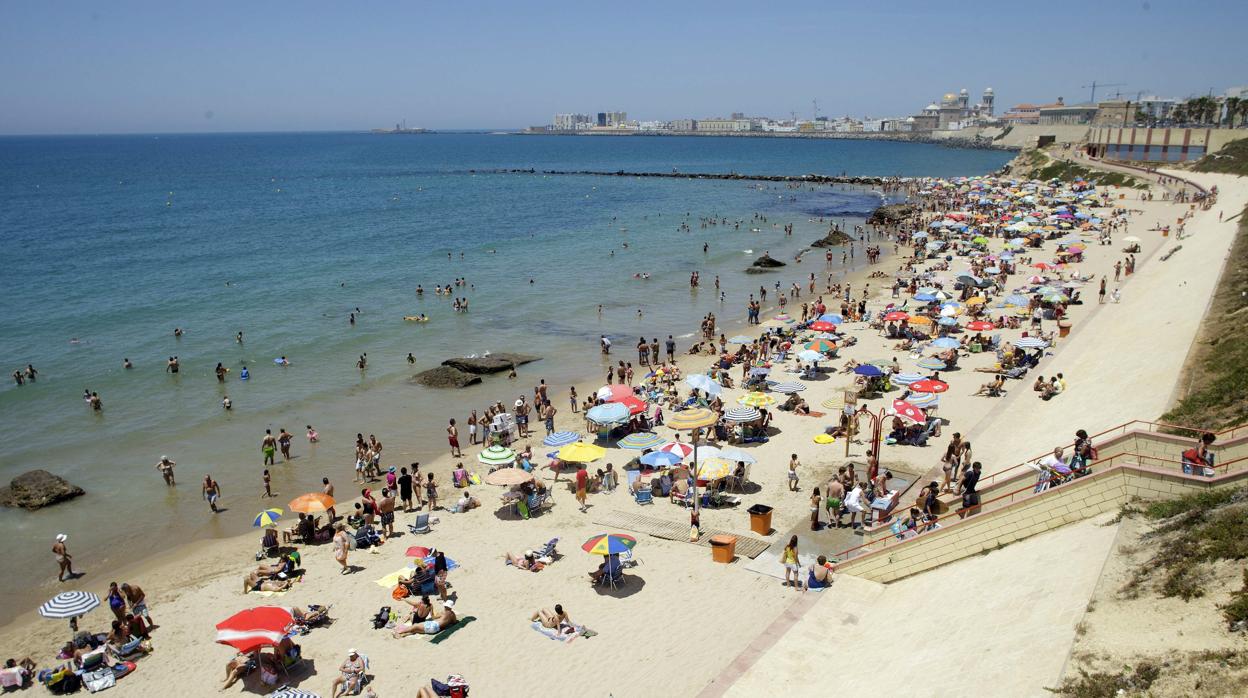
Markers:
point(1217, 395)
point(1035, 164)
point(1232, 159)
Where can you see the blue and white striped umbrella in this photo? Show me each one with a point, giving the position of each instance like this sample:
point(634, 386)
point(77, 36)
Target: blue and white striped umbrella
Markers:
point(760, 371)
point(742, 414)
point(641, 440)
point(561, 438)
point(945, 343)
point(832, 318)
point(736, 454)
point(69, 604)
point(924, 399)
point(290, 692)
point(1030, 343)
point(610, 413)
point(788, 388)
point(660, 459)
point(811, 355)
point(947, 321)
point(905, 378)
point(703, 382)
point(931, 363)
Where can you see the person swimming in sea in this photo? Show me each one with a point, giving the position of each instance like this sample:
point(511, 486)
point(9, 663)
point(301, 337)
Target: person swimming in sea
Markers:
point(244, 374)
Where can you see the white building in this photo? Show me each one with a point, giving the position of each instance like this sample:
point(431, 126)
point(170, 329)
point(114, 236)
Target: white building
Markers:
point(572, 122)
point(723, 125)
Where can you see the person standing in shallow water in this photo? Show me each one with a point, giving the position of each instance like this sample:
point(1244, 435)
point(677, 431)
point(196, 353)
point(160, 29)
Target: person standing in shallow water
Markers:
point(268, 446)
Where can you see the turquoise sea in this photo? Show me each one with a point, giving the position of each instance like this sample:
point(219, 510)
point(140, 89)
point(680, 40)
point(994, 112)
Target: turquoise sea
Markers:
point(114, 241)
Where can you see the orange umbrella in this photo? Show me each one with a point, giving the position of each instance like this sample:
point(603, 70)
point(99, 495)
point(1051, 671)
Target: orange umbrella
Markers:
point(920, 320)
point(311, 503)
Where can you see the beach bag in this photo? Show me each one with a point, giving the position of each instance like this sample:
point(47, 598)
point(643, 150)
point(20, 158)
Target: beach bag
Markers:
point(99, 679)
point(382, 617)
point(400, 592)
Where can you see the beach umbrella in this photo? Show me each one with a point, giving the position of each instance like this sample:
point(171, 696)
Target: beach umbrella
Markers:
point(788, 388)
point(756, 399)
point(679, 448)
point(634, 404)
point(945, 343)
point(581, 452)
point(695, 418)
point(784, 318)
point(497, 456)
point(760, 371)
point(821, 345)
point(1056, 298)
point(253, 628)
point(932, 364)
point(737, 455)
point(925, 297)
point(290, 692)
point(69, 604)
point(311, 503)
point(740, 339)
point(640, 440)
point(976, 300)
point(905, 378)
point(920, 320)
point(832, 318)
point(947, 322)
point(1030, 343)
point(928, 385)
point(660, 459)
point(703, 382)
point(614, 393)
point(1016, 299)
point(561, 438)
point(924, 400)
point(835, 403)
point(906, 410)
point(810, 355)
point(969, 279)
point(821, 326)
point(610, 413)
point(742, 414)
point(507, 477)
point(609, 544)
point(868, 370)
point(895, 316)
point(980, 326)
point(714, 469)
point(268, 517)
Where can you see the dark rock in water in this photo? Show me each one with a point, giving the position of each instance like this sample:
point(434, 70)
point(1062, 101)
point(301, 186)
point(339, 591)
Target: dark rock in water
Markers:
point(446, 377)
point(759, 270)
point(834, 238)
point(892, 213)
point(767, 261)
point(494, 363)
point(37, 489)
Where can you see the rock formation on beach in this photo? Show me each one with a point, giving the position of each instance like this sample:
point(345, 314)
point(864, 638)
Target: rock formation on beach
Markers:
point(892, 213)
point(834, 238)
point(463, 372)
point(37, 489)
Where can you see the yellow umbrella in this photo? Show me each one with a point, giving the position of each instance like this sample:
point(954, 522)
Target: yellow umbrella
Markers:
point(696, 418)
point(920, 320)
point(581, 452)
point(714, 469)
point(976, 300)
point(835, 403)
point(757, 400)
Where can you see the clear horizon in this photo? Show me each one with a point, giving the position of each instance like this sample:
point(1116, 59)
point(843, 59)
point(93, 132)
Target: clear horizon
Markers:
point(143, 67)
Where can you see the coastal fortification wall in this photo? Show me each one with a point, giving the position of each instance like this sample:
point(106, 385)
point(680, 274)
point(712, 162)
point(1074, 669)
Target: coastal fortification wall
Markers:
point(1020, 136)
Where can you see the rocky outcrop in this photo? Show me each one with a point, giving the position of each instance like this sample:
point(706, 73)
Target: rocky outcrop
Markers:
point(834, 238)
point(892, 213)
point(445, 377)
point(37, 489)
point(466, 371)
point(767, 261)
point(494, 363)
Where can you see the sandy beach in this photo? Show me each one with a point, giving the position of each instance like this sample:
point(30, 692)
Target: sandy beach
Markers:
point(666, 631)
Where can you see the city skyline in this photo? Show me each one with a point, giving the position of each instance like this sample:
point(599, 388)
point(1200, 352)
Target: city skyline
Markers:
point(144, 67)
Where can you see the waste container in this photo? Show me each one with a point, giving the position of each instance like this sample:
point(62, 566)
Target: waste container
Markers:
point(1063, 328)
point(723, 548)
point(760, 519)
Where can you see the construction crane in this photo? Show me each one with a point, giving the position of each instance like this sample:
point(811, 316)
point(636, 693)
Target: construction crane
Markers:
point(1095, 84)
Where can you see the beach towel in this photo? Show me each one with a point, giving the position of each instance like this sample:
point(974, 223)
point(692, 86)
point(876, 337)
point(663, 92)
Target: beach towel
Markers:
point(269, 593)
point(812, 414)
point(451, 630)
point(552, 633)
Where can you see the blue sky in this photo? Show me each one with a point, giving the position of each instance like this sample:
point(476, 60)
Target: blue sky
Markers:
point(130, 66)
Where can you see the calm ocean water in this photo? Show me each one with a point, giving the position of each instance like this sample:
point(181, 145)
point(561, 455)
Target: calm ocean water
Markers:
point(115, 241)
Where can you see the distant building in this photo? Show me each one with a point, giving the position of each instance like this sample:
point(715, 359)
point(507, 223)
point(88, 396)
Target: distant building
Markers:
point(723, 125)
point(1156, 108)
point(1060, 113)
point(1116, 112)
point(1025, 113)
point(572, 122)
point(684, 125)
point(602, 119)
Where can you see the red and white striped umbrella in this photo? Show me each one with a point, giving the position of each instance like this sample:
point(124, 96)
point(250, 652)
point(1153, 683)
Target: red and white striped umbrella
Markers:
point(678, 447)
point(249, 630)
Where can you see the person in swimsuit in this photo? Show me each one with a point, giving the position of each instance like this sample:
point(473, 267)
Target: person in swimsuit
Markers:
point(268, 446)
point(283, 440)
point(351, 673)
point(211, 492)
point(342, 544)
point(436, 625)
point(431, 492)
point(63, 558)
point(165, 466)
point(551, 619)
point(452, 437)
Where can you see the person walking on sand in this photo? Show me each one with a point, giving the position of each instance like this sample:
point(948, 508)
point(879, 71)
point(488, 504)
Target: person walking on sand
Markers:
point(268, 446)
point(63, 558)
point(211, 492)
point(793, 479)
point(792, 568)
point(342, 543)
point(582, 483)
point(165, 466)
point(328, 491)
point(452, 437)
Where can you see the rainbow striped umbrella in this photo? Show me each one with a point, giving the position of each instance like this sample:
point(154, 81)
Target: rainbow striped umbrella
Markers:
point(268, 517)
point(695, 418)
point(822, 346)
point(641, 440)
point(609, 544)
point(756, 400)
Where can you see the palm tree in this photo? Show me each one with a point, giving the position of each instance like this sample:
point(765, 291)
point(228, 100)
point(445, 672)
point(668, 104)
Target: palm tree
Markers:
point(1232, 108)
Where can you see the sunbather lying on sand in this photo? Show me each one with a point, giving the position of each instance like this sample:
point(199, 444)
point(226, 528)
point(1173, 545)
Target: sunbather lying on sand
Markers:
point(551, 619)
point(431, 627)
